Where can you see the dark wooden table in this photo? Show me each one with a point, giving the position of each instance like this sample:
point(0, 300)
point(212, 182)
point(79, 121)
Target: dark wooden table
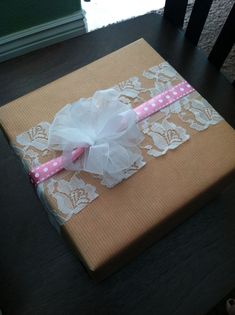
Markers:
point(187, 272)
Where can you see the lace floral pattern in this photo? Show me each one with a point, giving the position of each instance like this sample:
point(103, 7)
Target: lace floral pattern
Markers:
point(71, 196)
point(197, 113)
point(129, 90)
point(192, 110)
point(32, 144)
point(165, 136)
point(109, 181)
point(163, 131)
point(163, 76)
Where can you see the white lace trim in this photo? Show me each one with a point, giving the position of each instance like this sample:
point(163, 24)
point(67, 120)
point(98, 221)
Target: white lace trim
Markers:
point(74, 195)
point(197, 113)
point(71, 195)
point(110, 182)
point(130, 89)
point(33, 144)
point(165, 136)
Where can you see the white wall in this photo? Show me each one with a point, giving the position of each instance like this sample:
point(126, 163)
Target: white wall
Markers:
point(103, 12)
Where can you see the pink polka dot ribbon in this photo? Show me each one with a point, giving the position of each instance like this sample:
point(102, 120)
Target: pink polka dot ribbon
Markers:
point(50, 168)
point(155, 104)
point(162, 100)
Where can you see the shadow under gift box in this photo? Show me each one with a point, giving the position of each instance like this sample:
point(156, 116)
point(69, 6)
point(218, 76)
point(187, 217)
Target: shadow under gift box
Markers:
point(128, 218)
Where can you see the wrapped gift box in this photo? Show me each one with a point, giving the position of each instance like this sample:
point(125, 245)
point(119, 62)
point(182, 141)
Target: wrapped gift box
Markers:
point(188, 156)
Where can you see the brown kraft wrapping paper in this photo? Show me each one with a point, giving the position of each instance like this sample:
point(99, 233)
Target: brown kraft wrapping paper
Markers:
point(122, 221)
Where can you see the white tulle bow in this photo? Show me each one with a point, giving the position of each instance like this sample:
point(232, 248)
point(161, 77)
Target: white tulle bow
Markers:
point(105, 127)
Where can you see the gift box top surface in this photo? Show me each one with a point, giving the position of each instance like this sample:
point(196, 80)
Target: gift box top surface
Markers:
point(189, 152)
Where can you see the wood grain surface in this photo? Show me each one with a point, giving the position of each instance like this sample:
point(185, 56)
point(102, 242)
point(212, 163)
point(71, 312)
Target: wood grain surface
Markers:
point(187, 272)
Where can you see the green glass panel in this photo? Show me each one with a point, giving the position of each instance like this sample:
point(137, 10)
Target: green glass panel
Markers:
point(16, 15)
